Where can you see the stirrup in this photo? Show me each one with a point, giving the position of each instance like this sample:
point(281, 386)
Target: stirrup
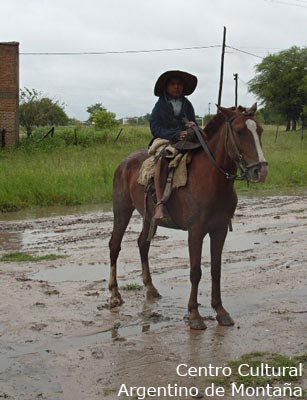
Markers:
point(163, 214)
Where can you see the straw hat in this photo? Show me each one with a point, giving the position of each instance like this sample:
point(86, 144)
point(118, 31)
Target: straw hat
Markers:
point(189, 82)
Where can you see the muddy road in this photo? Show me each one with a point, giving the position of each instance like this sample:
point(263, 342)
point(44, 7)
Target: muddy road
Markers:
point(58, 339)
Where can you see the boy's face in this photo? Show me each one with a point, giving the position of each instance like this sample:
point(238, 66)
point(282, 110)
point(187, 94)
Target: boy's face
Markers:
point(174, 88)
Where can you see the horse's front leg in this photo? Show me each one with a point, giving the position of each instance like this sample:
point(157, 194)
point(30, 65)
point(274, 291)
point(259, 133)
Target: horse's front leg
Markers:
point(217, 239)
point(195, 248)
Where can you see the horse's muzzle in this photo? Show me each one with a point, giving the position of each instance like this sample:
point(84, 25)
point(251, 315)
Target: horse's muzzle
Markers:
point(257, 172)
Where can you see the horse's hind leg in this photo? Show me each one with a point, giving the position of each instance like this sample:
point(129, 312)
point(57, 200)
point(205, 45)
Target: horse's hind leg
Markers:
point(144, 249)
point(217, 239)
point(122, 213)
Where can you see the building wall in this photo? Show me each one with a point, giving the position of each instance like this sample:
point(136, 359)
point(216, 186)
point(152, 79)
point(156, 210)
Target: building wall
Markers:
point(9, 93)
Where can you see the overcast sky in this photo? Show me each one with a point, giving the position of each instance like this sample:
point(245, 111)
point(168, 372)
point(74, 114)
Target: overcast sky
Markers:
point(124, 83)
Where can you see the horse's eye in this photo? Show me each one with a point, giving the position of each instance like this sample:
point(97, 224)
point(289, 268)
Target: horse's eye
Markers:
point(240, 133)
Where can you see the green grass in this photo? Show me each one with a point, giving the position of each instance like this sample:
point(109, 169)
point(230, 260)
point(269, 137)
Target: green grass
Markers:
point(132, 286)
point(24, 257)
point(254, 360)
point(287, 159)
point(56, 171)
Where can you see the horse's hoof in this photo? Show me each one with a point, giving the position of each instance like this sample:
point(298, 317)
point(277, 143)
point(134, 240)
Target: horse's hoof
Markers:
point(197, 324)
point(153, 294)
point(225, 320)
point(116, 301)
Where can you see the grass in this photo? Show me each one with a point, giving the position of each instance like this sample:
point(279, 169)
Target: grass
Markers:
point(57, 171)
point(254, 360)
point(287, 159)
point(24, 257)
point(132, 286)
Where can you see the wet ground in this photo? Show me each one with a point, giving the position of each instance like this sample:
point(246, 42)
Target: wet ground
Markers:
point(58, 339)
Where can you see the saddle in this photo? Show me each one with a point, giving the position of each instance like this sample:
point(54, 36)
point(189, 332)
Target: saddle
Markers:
point(179, 154)
point(191, 142)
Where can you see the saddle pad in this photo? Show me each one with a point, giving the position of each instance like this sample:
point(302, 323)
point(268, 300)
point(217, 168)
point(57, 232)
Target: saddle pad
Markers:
point(178, 161)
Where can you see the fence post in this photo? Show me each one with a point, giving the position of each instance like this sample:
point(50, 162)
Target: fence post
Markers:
point(276, 133)
point(2, 137)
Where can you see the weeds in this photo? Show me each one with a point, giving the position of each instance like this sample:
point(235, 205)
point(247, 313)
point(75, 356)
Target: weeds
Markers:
point(24, 257)
point(132, 286)
point(71, 169)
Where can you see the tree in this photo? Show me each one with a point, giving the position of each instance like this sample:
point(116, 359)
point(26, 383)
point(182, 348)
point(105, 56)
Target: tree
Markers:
point(104, 119)
point(144, 119)
point(93, 108)
point(281, 83)
point(36, 110)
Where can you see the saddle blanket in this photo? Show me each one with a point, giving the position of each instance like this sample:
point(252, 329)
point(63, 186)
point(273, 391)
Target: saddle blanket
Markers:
point(178, 161)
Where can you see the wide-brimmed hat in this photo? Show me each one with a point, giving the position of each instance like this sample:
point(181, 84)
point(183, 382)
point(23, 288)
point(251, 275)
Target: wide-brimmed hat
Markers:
point(189, 82)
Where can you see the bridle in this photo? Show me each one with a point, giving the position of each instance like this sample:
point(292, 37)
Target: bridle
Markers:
point(240, 162)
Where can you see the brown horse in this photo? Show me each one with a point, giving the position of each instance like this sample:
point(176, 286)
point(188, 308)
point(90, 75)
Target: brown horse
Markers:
point(204, 206)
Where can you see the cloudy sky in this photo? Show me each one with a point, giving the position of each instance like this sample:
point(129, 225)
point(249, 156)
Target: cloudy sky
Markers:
point(123, 83)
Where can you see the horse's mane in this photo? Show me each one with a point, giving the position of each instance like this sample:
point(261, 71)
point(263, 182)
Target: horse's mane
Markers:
point(214, 124)
point(217, 120)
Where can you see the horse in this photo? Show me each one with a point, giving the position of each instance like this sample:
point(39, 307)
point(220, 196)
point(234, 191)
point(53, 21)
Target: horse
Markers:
point(204, 206)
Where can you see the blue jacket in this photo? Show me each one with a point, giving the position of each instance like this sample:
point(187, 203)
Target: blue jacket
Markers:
point(163, 122)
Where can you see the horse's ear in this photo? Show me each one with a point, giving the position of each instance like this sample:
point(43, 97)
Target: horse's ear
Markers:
point(241, 109)
point(253, 109)
point(227, 112)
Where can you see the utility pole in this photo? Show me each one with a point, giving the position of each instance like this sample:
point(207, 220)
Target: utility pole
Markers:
point(222, 67)
point(209, 104)
point(236, 89)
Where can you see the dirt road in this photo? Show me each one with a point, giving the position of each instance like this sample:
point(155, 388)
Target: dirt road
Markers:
point(58, 339)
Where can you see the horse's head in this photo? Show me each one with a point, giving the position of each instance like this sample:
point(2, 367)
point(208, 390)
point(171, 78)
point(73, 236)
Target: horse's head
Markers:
point(243, 141)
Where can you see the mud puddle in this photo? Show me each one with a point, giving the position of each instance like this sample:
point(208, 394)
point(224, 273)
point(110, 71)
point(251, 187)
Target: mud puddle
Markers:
point(54, 211)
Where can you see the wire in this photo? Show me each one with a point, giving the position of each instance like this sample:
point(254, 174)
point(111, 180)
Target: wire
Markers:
point(245, 52)
point(286, 3)
point(116, 52)
point(246, 84)
point(86, 53)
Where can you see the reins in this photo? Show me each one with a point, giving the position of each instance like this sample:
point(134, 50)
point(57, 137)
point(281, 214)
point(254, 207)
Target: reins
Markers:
point(204, 145)
point(243, 166)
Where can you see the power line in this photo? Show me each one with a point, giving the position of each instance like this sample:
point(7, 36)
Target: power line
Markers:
point(245, 52)
point(261, 48)
point(115, 52)
point(246, 84)
point(87, 53)
point(286, 3)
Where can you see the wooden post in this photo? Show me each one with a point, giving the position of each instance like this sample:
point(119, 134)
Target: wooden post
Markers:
point(222, 67)
point(236, 89)
point(276, 133)
point(2, 137)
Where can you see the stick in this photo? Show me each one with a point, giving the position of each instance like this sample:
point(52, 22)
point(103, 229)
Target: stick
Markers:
point(118, 135)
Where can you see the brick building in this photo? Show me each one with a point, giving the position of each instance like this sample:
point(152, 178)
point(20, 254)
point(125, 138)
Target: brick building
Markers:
point(9, 93)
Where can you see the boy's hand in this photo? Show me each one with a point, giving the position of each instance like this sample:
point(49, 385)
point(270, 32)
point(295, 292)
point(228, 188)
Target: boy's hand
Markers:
point(189, 124)
point(183, 135)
